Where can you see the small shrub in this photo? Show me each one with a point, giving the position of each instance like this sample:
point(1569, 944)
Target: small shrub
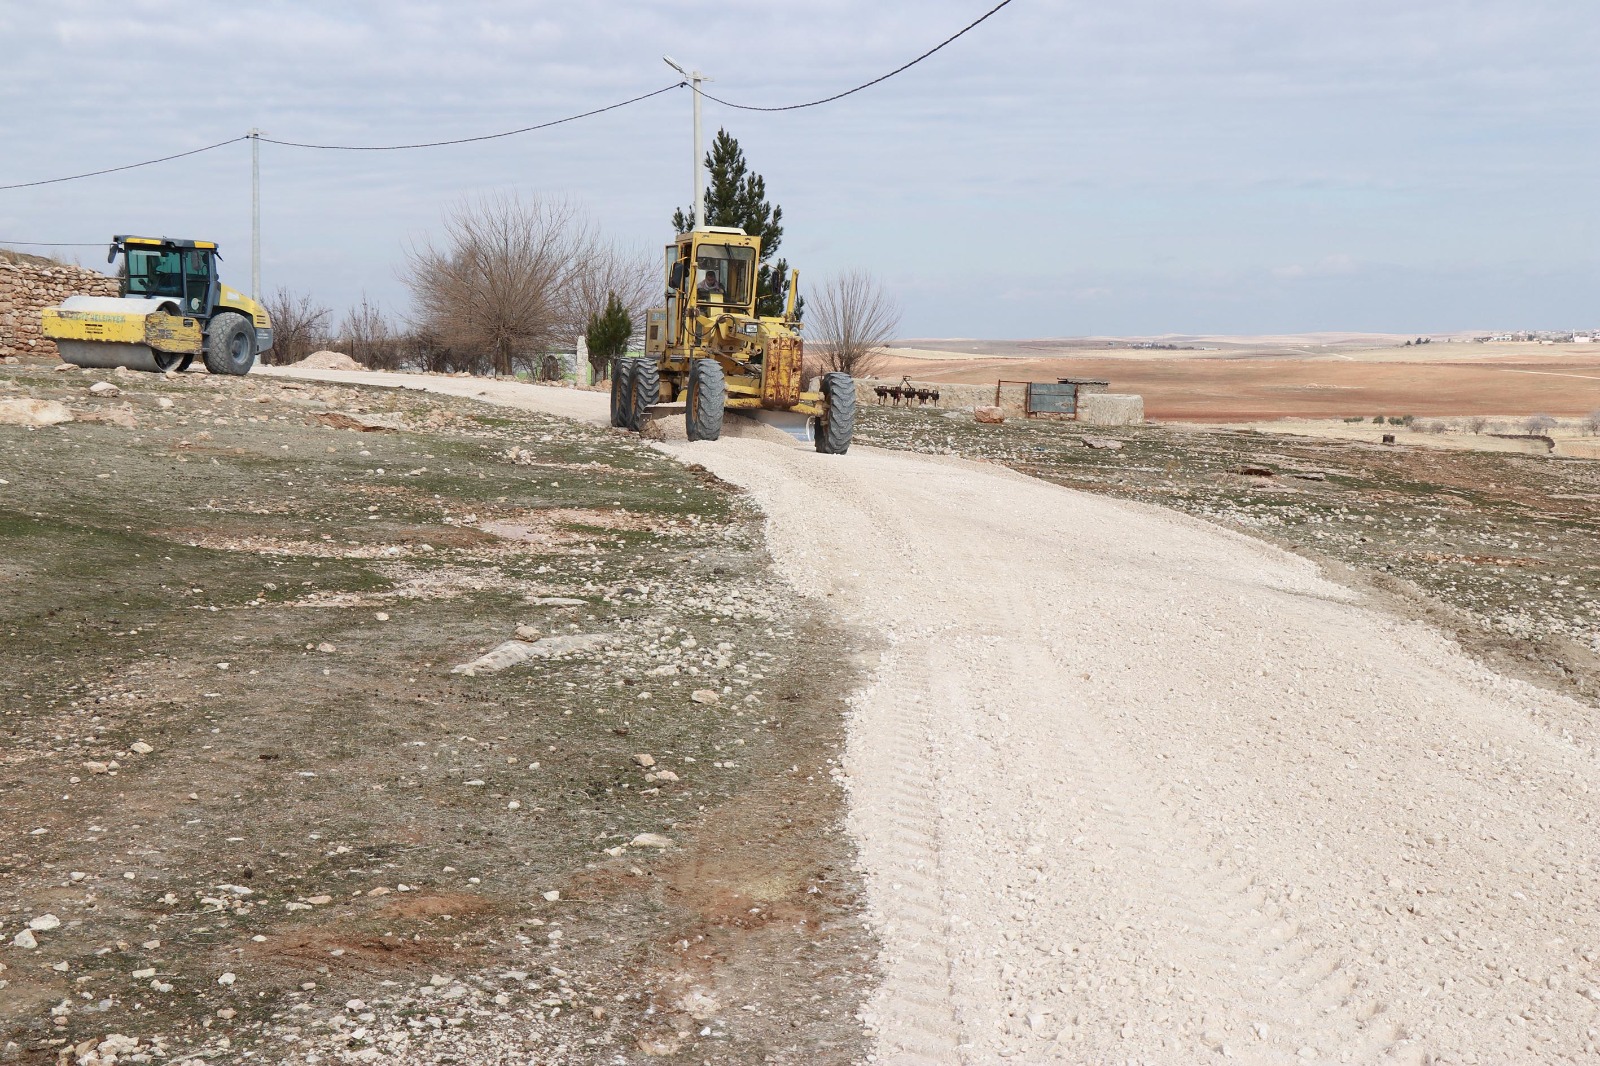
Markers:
point(1393, 421)
point(1362, 418)
point(1377, 420)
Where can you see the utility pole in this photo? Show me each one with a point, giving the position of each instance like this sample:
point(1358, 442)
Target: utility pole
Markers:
point(695, 78)
point(255, 214)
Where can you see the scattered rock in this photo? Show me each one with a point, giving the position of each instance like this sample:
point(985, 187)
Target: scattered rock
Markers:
point(226, 980)
point(164, 403)
point(104, 388)
point(1309, 475)
point(992, 416)
point(361, 423)
point(326, 647)
point(552, 896)
point(25, 940)
point(513, 652)
point(29, 412)
point(44, 923)
point(644, 760)
point(650, 840)
point(1254, 470)
point(1105, 443)
point(65, 366)
point(317, 901)
point(661, 775)
point(528, 633)
point(139, 747)
point(556, 601)
point(706, 695)
point(111, 416)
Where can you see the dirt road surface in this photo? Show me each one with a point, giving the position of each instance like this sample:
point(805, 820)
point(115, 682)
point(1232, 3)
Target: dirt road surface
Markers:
point(1131, 787)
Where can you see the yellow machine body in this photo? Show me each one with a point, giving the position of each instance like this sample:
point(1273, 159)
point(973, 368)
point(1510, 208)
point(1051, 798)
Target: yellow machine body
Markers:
point(170, 296)
point(710, 313)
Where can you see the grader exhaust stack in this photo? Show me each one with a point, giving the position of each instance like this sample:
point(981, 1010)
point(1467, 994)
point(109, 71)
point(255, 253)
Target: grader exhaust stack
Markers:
point(171, 308)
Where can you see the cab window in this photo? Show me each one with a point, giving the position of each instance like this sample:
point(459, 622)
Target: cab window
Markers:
point(155, 272)
point(724, 273)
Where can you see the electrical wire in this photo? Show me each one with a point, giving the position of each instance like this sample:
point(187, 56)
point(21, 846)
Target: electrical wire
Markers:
point(482, 137)
point(130, 166)
point(507, 133)
point(53, 244)
point(866, 85)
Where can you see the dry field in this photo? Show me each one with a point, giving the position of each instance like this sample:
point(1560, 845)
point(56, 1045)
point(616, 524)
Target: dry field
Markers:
point(251, 813)
point(1241, 380)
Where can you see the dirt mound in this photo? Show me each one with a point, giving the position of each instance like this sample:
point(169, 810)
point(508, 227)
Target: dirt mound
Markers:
point(326, 360)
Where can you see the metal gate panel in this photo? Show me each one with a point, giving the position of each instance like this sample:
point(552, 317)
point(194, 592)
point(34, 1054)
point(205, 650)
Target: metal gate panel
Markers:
point(1048, 398)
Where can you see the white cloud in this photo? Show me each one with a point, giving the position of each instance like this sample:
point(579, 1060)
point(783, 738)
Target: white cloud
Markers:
point(1170, 158)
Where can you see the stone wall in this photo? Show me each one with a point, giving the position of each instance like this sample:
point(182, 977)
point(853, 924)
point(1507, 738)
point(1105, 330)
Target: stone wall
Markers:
point(951, 397)
point(1111, 409)
point(29, 284)
point(1096, 407)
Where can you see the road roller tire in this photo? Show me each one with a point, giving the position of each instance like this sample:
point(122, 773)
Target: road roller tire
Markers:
point(230, 344)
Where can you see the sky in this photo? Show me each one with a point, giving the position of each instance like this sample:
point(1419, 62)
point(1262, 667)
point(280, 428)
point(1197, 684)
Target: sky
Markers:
point(1069, 168)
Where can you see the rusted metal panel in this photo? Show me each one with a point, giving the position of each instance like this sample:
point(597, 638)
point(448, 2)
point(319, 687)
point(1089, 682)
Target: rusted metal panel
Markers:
point(1059, 398)
point(781, 388)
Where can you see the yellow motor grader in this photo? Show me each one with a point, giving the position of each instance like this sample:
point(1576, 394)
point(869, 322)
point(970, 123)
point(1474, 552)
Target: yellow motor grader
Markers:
point(709, 350)
point(170, 307)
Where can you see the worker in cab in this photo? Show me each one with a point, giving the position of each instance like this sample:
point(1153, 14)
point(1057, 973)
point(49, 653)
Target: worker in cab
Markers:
point(710, 285)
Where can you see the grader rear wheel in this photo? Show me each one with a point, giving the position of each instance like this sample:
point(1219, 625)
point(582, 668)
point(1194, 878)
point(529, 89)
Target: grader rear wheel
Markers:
point(644, 391)
point(622, 368)
point(708, 395)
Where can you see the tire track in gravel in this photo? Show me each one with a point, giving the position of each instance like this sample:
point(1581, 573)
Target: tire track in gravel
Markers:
point(1154, 791)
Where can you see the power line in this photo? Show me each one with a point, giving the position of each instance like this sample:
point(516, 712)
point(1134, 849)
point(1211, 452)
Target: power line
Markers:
point(53, 244)
point(482, 137)
point(130, 166)
point(866, 85)
point(352, 147)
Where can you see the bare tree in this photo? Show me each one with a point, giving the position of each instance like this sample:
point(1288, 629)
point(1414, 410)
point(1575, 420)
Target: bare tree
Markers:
point(1539, 424)
point(366, 336)
point(634, 276)
point(506, 284)
point(1476, 424)
point(853, 321)
point(1591, 422)
point(299, 326)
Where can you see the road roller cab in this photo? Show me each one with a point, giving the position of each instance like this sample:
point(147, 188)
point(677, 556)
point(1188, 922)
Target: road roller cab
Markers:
point(171, 306)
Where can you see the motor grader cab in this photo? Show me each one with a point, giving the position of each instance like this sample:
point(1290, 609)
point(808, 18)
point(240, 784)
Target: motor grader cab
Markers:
point(708, 349)
point(170, 307)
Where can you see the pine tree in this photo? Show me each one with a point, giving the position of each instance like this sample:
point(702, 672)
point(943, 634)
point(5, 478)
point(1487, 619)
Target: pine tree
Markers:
point(736, 197)
point(608, 335)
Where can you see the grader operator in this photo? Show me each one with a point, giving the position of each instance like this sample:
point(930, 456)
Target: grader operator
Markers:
point(710, 350)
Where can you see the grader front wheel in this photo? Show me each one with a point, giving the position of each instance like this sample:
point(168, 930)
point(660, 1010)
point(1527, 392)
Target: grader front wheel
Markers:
point(838, 422)
point(707, 396)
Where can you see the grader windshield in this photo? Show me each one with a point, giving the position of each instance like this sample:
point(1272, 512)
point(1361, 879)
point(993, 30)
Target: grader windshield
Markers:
point(724, 274)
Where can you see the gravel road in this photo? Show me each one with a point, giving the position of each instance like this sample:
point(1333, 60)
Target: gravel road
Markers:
point(1131, 787)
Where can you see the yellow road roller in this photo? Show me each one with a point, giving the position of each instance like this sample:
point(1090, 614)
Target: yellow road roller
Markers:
point(171, 307)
